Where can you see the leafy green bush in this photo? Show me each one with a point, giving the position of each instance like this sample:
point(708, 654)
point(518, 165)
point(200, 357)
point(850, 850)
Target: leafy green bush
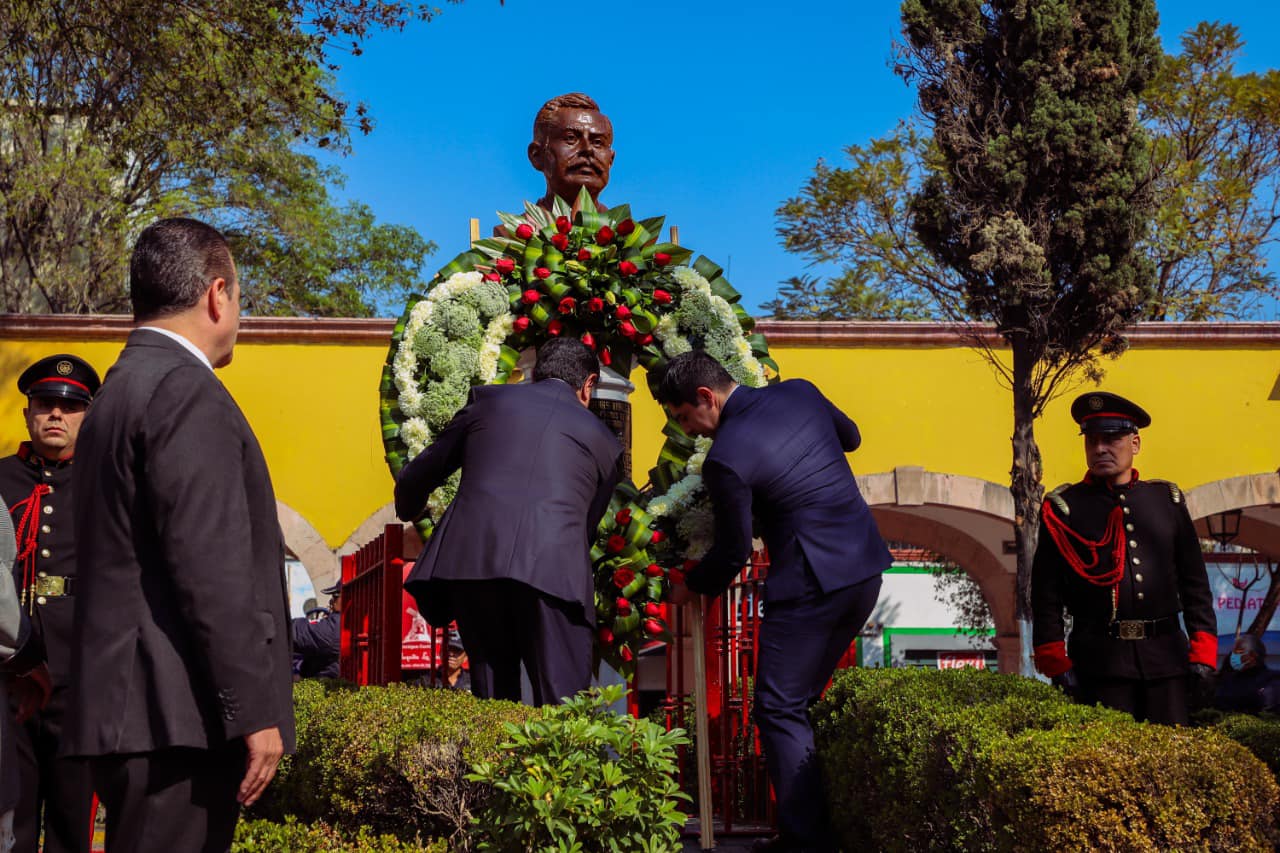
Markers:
point(581, 777)
point(392, 759)
point(919, 760)
point(1259, 733)
point(261, 836)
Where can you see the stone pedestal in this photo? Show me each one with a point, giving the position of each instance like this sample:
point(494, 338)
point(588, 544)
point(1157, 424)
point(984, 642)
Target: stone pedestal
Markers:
point(610, 404)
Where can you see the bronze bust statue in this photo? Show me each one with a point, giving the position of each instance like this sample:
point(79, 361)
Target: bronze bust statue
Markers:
point(572, 147)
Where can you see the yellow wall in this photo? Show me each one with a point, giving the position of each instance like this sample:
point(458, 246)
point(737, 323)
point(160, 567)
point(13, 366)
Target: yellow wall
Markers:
point(314, 408)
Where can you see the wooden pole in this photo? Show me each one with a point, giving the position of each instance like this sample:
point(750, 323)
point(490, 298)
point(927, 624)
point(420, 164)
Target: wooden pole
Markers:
point(475, 229)
point(701, 724)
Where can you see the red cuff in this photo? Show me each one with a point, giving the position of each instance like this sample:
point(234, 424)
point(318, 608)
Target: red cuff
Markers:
point(1204, 648)
point(1051, 658)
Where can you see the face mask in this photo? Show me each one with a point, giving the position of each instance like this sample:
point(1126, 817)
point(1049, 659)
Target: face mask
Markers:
point(1237, 660)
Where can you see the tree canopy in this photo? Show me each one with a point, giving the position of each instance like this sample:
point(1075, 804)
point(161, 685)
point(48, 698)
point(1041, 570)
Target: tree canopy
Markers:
point(118, 112)
point(1214, 178)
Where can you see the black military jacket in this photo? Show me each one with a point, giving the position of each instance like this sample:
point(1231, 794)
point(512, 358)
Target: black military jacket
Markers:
point(55, 554)
point(1164, 574)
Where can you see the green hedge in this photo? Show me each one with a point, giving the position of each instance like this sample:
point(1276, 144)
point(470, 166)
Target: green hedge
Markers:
point(389, 759)
point(263, 836)
point(969, 760)
point(1260, 733)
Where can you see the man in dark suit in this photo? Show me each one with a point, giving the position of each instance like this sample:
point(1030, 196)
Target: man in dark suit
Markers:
point(510, 559)
point(317, 646)
point(780, 451)
point(1121, 555)
point(181, 687)
point(36, 482)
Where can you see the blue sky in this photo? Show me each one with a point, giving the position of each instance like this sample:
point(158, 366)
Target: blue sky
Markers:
point(720, 110)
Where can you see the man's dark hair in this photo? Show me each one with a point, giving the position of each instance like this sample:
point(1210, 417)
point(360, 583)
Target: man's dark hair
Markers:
point(573, 101)
point(688, 372)
point(173, 263)
point(1251, 644)
point(568, 359)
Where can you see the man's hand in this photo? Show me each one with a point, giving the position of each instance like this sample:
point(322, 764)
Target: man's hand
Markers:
point(681, 595)
point(1068, 683)
point(1204, 684)
point(31, 692)
point(265, 749)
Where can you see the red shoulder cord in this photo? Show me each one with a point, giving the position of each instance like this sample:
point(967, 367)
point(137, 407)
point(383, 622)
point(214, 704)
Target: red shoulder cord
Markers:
point(1063, 537)
point(25, 533)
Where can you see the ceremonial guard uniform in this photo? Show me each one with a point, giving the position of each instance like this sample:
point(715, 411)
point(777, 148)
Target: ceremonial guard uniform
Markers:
point(1124, 560)
point(38, 493)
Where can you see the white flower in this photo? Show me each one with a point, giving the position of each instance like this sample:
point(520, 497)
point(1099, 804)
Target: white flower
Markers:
point(414, 433)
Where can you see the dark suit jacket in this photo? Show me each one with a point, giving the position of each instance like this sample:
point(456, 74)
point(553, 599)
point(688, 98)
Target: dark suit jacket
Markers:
point(780, 451)
point(182, 631)
point(538, 471)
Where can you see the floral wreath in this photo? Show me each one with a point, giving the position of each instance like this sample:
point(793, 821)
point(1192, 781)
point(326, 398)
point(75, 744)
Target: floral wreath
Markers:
point(604, 278)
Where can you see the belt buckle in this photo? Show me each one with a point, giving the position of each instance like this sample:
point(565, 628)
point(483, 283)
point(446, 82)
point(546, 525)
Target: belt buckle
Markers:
point(51, 585)
point(1132, 629)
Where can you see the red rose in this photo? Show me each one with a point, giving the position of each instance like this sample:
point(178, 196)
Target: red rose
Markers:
point(675, 576)
point(560, 241)
point(652, 610)
point(605, 635)
point(661, 259)
point(595, 304)
point(524, 231)
point(505, 265)
point(654, 570)
point(492, 276)
point(622, 577)
point(628, 268)
point(627, 329)
point(623, 516)
point(589, 341)
point(605, 358)
point(652, 626)
point(615, 544)
point(662, 297)
point(645, 341)
point(689, 564)
point(520, 324)
point(623, 312)
point(604, 235)
point(657, 537)
point(563, 224)
point(554, 327)
point(622, 606)
point(530, 296)
point(567, 305)
point(584, 254)
point(542, 272)
point(625, 227)
point(625, 653)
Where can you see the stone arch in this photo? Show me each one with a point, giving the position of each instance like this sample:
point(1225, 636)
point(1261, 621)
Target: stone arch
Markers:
point(966, 520)
point(306, 543)
point(1257, 496)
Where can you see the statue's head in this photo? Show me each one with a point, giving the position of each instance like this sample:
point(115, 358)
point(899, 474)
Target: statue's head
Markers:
point(572, 147)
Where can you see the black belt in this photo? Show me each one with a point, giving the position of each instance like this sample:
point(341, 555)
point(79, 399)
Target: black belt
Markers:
point(1143, 629)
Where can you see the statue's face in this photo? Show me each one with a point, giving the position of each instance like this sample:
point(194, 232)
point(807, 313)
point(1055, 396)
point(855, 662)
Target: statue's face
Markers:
point(577, 151)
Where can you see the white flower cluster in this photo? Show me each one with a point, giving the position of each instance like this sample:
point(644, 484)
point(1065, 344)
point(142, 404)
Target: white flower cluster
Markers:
point(687, 491)
point(711, 317)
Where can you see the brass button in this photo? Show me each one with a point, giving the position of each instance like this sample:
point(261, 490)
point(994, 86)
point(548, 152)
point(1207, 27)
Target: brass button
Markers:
point(1129, 527)
point(1137, 562)
point(48, 510)
point(41, 600)
point(44, 552)
point(44, 528)
point(1133, 543)
point(1141, 596)
point(50, 490)
point(1138, 578)
point(42, 574)
point(1126, 510)
point(48, 473)
point(1122, 498)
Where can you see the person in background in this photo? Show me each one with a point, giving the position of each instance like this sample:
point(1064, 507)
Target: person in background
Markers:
point(1244, 683)
point(37, 484)
point(317, 646)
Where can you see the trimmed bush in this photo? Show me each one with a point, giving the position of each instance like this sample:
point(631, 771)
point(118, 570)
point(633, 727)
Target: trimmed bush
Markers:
point(582, 777)
point(1260, 733)
point(922, 760)
point(262, 836)
point(392, 759)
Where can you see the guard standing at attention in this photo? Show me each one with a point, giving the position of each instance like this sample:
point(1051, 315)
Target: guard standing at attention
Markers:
point(1122, 556)
point(36, 485)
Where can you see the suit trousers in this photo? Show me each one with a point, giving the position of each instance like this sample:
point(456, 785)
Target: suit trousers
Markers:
point(504, 623)
point(801, 641)
point(57, 792)
point(1160, 700)
point(179, 798)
